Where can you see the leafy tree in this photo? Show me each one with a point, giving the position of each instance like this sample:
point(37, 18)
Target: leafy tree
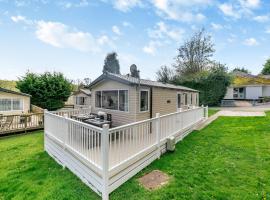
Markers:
point(165, 74)
point(212, 84)
point(111, 63)
point(238, 69)
point(266, 68)
point(48, 90)
point(195, 54)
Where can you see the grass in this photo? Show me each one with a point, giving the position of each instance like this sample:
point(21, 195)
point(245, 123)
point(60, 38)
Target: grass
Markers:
point(229, 159)
point(212, 111)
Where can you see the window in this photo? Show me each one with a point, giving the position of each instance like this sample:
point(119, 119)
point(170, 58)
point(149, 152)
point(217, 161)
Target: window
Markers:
point(17, 104)
point(179, 101)
point(112, 100)
point(123, 100)
point(98, 99)
point(185, 99)
point(238, 93)
point(144, 103)
point(81, 100)
point(191, 99)
point(11, 104)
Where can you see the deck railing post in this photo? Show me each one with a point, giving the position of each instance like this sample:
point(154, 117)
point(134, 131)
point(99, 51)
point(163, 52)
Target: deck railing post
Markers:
point(158, 134)
point(105, 161)
point(206, 110)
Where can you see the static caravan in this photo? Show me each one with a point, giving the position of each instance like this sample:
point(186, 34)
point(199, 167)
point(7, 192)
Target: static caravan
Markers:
point(14, 103)
point(129, 99)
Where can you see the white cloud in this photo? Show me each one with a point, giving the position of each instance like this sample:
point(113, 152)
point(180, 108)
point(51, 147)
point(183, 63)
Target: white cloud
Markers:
point(70, 4)
point(116, 30)
point(262, 18)
point(181, 10)
point(163, 31)
point(126, 5)
point(127, 24)
point(252, 4)
point(228, 10)
point(63, 36)
point(251, 42)
point(216, 26)
point(151, 47)
point(162, 34)
point(19, 18)
point(267, 30)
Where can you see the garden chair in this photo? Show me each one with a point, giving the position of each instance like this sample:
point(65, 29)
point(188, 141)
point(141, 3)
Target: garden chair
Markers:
point(5, 125)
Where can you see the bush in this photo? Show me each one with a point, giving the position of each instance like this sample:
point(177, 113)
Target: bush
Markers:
point(211, 84)
point(48, 90)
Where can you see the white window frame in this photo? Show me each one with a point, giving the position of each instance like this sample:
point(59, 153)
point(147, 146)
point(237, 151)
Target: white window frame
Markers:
point(12, 99)
point(101, 91)
point(142, 90)
point(178, 93)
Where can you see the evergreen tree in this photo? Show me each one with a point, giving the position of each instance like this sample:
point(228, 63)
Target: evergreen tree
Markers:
point(111, 63)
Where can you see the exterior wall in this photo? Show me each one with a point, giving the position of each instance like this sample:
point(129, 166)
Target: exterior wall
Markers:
point(229, 93)
point(165, 100)
point(26, 103)
point(118, 117)
point(70, 100)
point(87, 102)
point(160, 98)
point(266, 91)
point(142, 115)
point(253, 92)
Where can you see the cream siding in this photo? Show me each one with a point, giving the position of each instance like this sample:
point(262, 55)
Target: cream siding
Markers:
point(118, 117)
point(25, 99)
point(164, 101)
point(87, 101)
point(145, 114)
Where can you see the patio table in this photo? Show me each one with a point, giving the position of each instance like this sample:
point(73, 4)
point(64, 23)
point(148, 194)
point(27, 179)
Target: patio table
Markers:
point(81, 117)
point(98, 122)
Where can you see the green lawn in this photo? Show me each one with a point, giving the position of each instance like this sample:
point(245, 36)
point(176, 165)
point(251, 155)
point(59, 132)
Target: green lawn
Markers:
point(230, 159)
point(212, 111)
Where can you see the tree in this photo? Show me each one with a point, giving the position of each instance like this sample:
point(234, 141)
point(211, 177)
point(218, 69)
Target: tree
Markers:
point(111, 63)
point(48, 90)
point(165, 74)
point(266, 68)
point(195, 54)
point(211, 84)
point(238, 69)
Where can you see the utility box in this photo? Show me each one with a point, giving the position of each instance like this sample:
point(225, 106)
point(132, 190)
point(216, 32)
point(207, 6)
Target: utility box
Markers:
point(170, 143)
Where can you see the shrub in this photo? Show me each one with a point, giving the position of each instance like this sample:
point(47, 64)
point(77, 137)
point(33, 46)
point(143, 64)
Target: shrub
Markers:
point(48, 90)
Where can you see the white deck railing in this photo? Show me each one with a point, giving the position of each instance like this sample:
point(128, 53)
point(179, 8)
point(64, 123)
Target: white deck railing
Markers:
point(114, 155)
point(69, 112)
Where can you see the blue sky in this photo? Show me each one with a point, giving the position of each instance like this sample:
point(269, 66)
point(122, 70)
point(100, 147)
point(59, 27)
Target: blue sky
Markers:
point(74, 36)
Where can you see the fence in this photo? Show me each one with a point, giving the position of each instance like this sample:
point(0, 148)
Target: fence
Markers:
point(105, 158)
point(69, 112)
point(19, 123)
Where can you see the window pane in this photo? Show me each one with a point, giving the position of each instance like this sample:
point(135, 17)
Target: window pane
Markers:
point(5, 104)
point(179, 100)
point(144, 101)
point(17, 104)
point(80, 100)
point(98, 99)
point(123, 100)
point(110, 99)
